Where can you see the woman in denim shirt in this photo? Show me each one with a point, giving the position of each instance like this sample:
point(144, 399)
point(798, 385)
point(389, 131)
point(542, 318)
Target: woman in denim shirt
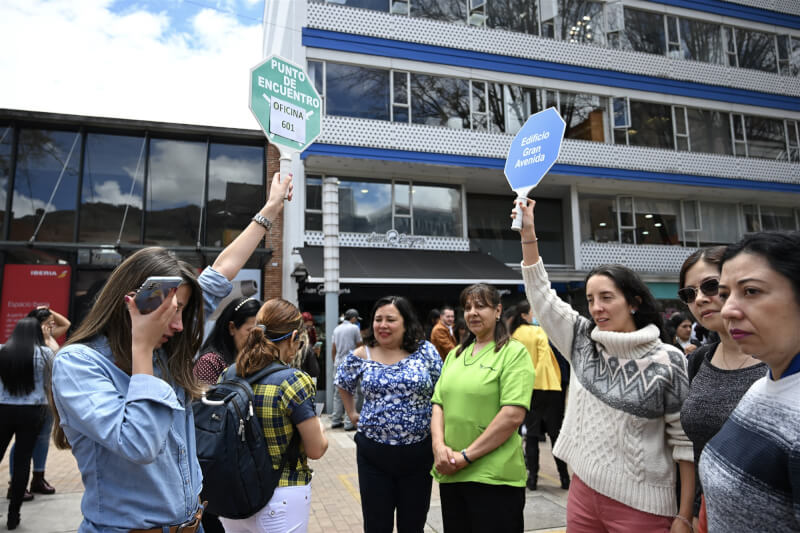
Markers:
point(123, 386)
point(23, 363)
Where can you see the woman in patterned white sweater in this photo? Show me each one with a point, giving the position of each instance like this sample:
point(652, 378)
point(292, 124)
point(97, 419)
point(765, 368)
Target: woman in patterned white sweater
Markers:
point(622, 431)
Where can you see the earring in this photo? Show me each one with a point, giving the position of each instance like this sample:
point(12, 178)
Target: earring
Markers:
point(633, 311)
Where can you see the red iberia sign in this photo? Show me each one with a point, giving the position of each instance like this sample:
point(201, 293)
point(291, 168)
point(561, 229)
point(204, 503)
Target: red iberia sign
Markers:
point(26, 287)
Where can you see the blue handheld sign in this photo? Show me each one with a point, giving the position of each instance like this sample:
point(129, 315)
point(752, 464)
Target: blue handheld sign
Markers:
point(533, 152)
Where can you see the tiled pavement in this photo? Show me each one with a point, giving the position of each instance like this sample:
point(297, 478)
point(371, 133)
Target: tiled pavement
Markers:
point(335, 506)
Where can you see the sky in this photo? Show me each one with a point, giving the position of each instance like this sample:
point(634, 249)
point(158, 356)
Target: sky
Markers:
point(183, 61)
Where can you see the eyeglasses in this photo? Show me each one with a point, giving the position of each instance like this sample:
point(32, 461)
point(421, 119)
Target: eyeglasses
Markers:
point(709, 287)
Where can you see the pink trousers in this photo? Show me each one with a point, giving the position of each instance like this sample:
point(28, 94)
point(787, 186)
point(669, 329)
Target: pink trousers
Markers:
point(588, 511)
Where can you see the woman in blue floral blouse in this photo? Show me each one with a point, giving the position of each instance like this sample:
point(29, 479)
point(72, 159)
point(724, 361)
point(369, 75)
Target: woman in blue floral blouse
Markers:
point(398, 370)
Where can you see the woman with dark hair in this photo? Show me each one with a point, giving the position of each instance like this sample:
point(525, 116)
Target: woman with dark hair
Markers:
point(231, 329)
point(123, 385)
point(284, 402)
point(547, 400)
point(397, 369)
point(750, 469)
point(432, 320)
point(24, 361)
point(54, 325)
point(621, 433)
point(479, 402)
point(460, 330)
point(679, 330)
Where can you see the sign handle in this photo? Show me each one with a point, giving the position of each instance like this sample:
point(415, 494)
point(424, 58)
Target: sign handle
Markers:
point(285, 167)
point(516, 224)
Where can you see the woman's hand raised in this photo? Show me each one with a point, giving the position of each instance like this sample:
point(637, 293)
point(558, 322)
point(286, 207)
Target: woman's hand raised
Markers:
point(148, 331)
point(530, 248)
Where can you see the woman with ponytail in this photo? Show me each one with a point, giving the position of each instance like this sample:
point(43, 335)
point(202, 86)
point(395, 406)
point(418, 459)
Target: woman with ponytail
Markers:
point(284, 402)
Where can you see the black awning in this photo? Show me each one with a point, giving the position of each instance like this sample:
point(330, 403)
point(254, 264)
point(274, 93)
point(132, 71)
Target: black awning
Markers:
point(402, 266)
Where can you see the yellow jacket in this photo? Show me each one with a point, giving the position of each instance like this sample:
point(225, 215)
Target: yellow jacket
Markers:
point(548, 373)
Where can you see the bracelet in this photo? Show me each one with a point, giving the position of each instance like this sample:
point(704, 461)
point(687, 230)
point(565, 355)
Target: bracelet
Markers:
point(685, 521)
point(262, 221)
point(531, 241)
point(464, 453)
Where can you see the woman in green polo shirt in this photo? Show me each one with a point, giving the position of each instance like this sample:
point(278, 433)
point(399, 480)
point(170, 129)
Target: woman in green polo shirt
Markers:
point(480, 400)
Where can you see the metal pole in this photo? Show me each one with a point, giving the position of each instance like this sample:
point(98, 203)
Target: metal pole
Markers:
point(330, 232)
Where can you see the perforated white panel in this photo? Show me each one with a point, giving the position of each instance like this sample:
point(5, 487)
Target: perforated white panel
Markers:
point(418, 30)
point(639, 257)
point(415, 137)
point(366, 240)
point(783, 6)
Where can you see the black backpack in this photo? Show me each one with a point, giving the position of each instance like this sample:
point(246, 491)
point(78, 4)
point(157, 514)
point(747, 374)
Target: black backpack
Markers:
point(238, 474)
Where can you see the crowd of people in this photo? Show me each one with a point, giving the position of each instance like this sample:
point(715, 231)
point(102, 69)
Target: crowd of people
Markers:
point(679, 423)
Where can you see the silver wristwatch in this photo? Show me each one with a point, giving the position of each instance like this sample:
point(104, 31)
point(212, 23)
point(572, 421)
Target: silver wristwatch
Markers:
point(262, 221)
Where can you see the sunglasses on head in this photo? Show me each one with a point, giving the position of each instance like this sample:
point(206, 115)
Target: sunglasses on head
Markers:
point(709, 287)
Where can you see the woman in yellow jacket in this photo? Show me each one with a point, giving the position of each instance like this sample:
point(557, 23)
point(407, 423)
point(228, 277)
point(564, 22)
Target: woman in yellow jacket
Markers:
point(547, 401)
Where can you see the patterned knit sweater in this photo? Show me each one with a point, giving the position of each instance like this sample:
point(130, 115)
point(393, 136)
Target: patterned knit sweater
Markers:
point(622, 430)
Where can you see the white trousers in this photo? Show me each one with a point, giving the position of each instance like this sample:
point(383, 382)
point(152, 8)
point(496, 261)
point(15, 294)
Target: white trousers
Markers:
point(286, 512)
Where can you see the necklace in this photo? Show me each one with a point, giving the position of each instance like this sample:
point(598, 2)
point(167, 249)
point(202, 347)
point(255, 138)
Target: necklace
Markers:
point(725, 361)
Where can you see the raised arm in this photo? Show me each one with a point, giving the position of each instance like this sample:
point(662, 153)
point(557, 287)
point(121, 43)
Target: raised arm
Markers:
point(62, 324)
point(236, 254)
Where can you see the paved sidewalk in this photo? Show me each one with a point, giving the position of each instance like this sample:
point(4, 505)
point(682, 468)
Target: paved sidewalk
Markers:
point(335, 506)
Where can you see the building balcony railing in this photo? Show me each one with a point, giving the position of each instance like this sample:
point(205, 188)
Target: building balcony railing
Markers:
point(646, 258)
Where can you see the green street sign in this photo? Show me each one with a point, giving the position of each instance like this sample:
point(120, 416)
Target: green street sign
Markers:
point(285, 103)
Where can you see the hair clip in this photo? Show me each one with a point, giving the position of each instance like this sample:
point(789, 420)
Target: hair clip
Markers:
point(262, 327)
point(235, 309)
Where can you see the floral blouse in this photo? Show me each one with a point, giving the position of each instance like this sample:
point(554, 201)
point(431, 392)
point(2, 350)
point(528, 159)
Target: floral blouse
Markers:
point(397, 398)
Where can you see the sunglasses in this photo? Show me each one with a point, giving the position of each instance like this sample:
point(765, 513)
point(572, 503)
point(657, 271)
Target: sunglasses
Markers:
point(709, 287)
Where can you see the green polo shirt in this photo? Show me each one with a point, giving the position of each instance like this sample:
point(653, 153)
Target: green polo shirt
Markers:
point(471, 391)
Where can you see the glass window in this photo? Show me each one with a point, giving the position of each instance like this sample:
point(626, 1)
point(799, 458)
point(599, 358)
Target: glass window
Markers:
point(315, 74)
point(794, 57)
point(520, 103)
point(235, 190)
point(447, 10)
point(437, 210)
point(6, 136)
point(402, 199)
point(581, 21)
point(719, 223)
point(490, 232)
point(438, 101)
point(644, 32)
point(709, 131)
point(41, 156)
point(174, 192)
point(756, 50)
point(584, 115)
point(354, 91)
point(766, 138)
point(375, 5)
point(365, 206)
point(113, 175)
point(752, 222)
point(657, 221)
point(598, 219)
point(651, 125)
point(497, 115)
point(313, 203)
point(400, 96)
point(480, 117)
point(777, 219)
point(514, 15)
point(701, 41)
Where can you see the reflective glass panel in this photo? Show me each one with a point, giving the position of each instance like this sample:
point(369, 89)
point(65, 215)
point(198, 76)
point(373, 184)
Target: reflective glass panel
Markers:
point(584, 115)
point(580, 21)
point(496, 108)
point(313, 203)
point(375, 5)
point(402, 198)
point(6, 137)
point(644, 32)
point(437, 210)
point(447, 10)
point(756, 50)
point(751, 220)
point(598, 219)
point(235, 190)
point(174, 192)
point(657, 221)
point(438, 101)
point(354, 91)
point(720, 223)
point(702, 41)
point(41, 155)
point(513, 15)
point(365, 206)
point(113, 175)
point(651, 125)
point(766, 138)
point(794, 57)
point(315, 69)
point(521, 103)
point(710, 131)
point(777, 218)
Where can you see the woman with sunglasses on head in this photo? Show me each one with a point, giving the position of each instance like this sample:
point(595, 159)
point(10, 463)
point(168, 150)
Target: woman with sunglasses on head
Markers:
point(750, 469)
point(123, 385)
point(621, 434)
point(720, 372)
point(397, 369)
point(284, 402)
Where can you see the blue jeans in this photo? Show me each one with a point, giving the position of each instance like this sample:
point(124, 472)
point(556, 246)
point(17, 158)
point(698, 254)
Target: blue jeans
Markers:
point(40, 448)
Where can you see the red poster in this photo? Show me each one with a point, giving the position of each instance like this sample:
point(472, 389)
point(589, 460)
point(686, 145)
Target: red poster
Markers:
point(26, 287)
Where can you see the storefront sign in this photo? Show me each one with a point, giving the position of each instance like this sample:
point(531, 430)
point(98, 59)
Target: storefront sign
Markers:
point(395, 238)
point(26, 287)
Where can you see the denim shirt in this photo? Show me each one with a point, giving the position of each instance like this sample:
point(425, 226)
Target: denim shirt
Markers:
point(132, 436)
point(42, 356)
